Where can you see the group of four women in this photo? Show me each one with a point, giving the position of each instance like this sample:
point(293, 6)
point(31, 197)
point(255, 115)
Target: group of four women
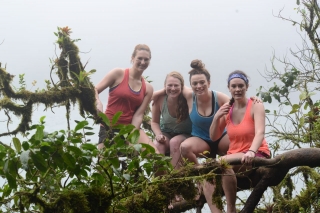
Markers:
point(189, 122)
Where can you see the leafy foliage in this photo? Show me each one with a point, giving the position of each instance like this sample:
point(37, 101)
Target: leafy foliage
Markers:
point(294, 123)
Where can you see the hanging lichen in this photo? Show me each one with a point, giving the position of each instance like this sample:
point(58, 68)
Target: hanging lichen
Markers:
point(74, 86)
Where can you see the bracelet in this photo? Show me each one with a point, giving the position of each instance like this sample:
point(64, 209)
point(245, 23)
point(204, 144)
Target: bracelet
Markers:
point(252, 151)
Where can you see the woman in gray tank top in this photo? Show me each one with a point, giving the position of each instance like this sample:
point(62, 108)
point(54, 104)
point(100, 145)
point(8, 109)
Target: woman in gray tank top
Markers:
point(170, 118)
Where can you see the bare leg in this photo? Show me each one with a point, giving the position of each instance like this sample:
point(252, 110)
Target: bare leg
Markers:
point(163, 147)
point(192, 147)
point(174, 144)
point(145, 139)
point(229, 185)
point(208, 190)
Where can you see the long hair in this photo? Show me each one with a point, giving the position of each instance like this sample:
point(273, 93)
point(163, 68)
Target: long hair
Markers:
point(182, 110)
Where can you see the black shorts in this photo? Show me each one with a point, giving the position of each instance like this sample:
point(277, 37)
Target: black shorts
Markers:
point(213, 145)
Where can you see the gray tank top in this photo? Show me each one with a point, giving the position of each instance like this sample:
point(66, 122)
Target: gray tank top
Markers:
point(169, 124)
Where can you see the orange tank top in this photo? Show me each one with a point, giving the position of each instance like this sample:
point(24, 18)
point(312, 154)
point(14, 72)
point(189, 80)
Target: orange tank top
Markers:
point(123, 98)
point(241, 135)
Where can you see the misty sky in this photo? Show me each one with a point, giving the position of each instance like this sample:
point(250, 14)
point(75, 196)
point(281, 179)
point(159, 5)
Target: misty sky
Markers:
point(225, 35)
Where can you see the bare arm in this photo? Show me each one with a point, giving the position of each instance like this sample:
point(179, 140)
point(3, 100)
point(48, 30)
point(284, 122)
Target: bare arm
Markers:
point(155, 122)
point(157, 94)
point(258, 115)
point(111, 79)
point(259, 125)
point(138, 115)
point(219, 122)
point(187, 93)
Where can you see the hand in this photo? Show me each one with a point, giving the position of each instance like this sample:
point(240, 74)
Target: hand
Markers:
point(223, 110)
point(97, 118)
point(255, 99)
point(161, 138)
point(248, 157)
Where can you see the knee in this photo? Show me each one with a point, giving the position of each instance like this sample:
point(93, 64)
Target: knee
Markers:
point(185, 149)
point(174, 145)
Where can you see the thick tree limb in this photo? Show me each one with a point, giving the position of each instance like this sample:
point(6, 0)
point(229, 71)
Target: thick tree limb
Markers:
point(268, 172)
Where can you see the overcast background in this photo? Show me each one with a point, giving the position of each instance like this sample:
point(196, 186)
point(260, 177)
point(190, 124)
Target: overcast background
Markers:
point(225, 35)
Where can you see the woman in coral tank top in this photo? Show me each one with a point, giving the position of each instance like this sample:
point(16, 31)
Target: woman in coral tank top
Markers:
point(128, 93)
point(245, 124)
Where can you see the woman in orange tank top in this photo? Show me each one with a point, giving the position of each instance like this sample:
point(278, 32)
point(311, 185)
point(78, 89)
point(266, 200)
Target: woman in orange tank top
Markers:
point(245, 124)
point(128, 92)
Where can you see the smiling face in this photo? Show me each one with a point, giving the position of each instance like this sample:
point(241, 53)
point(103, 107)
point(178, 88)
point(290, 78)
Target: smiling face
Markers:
point(199, 84)
point(173, 86)
point(141, 60)
point(237, 88)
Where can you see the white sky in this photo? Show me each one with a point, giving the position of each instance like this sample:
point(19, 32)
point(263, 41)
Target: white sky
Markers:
point(225, 35)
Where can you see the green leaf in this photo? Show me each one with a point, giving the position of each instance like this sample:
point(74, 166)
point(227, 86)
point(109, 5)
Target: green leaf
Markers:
point(88, 146)
point(39, 133)
point(24, 159)
point(148, 168)
point(301, 122)
point(75, 150)
point(133, 164)
point(116, 117)
point(303, 95)
point(11, 181)
point(126, 176)
point(6, 190)
point(69, 160)
point(115, 162)
point(134, 136)
point(98, 177)
point(57, 159)
point(42, 119)
point(17, 144)
point(80, 125)
point(89, 133)
point(269, 99)
point(88, 128)
point(137, 147)
point(76, 140)
point(295, 108)
point(104, 118)
point(148, 148)
point(25, 145)
point(39, 161)
point(126, 129)
point(2, 148)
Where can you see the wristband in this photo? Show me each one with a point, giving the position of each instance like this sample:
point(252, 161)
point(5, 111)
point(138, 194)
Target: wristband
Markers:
point(252, 151)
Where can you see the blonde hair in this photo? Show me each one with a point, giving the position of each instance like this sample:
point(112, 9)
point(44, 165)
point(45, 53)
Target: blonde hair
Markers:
point(141, 47)
point(182, 110)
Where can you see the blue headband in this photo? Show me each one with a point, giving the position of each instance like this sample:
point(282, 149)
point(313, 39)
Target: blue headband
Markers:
point(237, 75)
